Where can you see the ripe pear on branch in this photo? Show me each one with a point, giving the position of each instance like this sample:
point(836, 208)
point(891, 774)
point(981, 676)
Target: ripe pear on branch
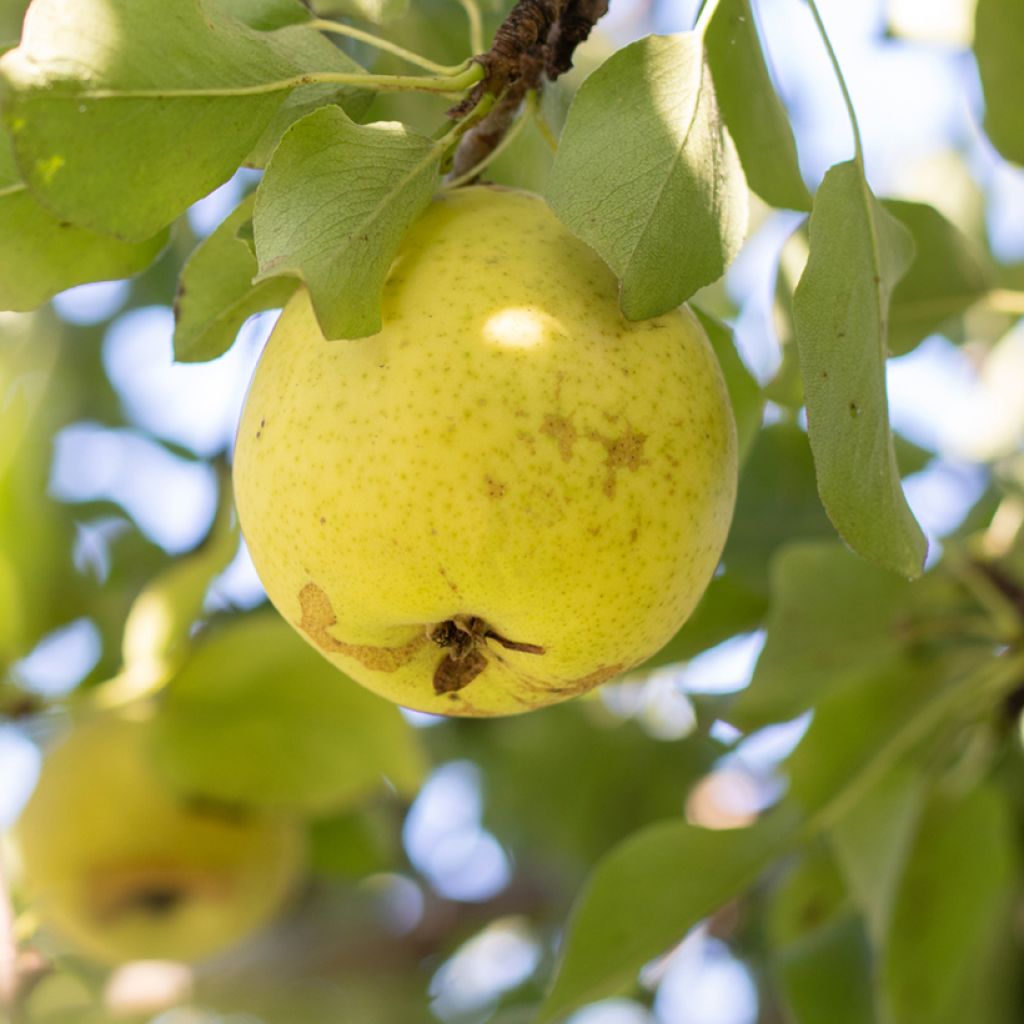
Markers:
point(508, 495)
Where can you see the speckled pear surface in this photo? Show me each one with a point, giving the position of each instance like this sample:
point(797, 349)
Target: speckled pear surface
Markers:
point(507, 496)
point(120, 868)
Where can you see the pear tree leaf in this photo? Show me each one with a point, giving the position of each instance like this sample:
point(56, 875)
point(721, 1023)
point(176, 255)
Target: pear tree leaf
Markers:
point(872, 723)
point(257, 716)
point(807, 894)
point(12, 13)
point(835, 617)
point(159, 622)
point(776, 503)
point(858, 252)
point(179, 93)
point(41, 255)
point(300, 102)
point(827, 975)
point(751, 108)
point(332, 207)
point(216, 294)
point(998, 44)
point(873, 838)
point(647, 175)
point(744, 392)
point(948, 275)
point(644, 896)
point(952, 912)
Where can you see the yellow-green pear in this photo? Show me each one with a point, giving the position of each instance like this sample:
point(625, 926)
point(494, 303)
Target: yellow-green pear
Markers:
point(120, 868)
point(508, 495)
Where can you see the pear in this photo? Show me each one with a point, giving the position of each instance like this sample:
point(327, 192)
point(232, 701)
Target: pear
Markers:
point(508, 495)
point(120, 868)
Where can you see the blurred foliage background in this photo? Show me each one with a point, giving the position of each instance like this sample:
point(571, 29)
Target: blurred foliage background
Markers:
point(444, 856)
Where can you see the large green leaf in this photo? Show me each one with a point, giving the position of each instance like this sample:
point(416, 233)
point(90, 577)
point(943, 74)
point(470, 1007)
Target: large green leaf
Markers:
point(949, 274)
point(872, 840)
point(998, 44)
point(39, 589)
point(953, 913)
point(862, 730)
point(333, 206)
point(216, 294)
point(753, 112)
point(41, 255)
point(646, 894)
point(177, 93)
point(833, 618)
point(857, 254)
point(647, 175)
point(827, 976)
point(807, 894)
point(255, 715)
point(776, 503)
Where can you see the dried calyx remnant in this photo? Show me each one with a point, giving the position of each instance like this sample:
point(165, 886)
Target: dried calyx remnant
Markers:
point(535, 42)
point(462, 637)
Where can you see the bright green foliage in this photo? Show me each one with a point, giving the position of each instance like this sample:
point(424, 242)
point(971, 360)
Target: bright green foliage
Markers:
point(751, 108)
point(642, 898)
point(949, 274)
point(665, 205)
point(41, 255)
point(216, 293)
point(857, 254)
point(142, 75)
point(341, 245)
point(998, 38)
point(880, 882)
point(255, 716)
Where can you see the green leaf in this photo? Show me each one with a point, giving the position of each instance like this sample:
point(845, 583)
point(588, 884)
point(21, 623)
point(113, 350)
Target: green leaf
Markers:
point(840, 309)
point(646, 894)
point(827, 976)
point(257, 716)
point(998, 44)
point(178, 93)
point(12, 12)
point(949, 274)
point(785, 388)
point(159, 623)
point(776, 503)
point(744, 393)
point(952, 912)
point(808, 894)
point(833, 618)
point(333, 206)
point(862, 730)
point(872, 840)
point(647, 175)
point(41, 255)
point(354, 844)
point(300, 102)
point(216, 294)
point(753, 112)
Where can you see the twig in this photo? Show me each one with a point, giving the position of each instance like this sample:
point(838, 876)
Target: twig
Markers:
point(534, 43)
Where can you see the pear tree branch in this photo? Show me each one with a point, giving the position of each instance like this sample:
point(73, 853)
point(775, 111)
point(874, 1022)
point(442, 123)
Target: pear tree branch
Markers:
point(535, 43)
